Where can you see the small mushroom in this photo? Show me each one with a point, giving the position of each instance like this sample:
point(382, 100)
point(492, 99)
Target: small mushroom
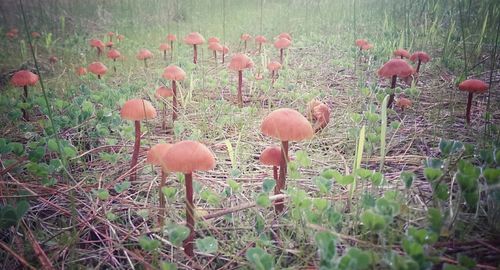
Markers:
point(273, 67)
point(194, 39)
point(285, 125)
point(114, 54)
point(393, 69)
point(80, 71)
point(137, 110)
point(272, 156)
point(164, 47)
point(109, 44)
point(171, 38)
point(239, 62)
point(213, 40)
point(260, 40)
point(402, 53)
point(162, 93)
point(473, 86)
point(420, 57)
point(174, 73)
point(319, 113)
point(245, 37)
point(282, 44)
point(285, 35)
point(403, 103)
point(24, 78)
point(144, 54)
point(98, 69)
point(120, 38)
point(224, 51)
point(111, 35)
point(214, 47)
point(154, 157)
point(98, 44)
point(186, 157)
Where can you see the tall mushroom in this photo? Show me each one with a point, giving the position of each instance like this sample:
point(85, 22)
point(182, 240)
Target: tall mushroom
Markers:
point(174, 74)
point(137, 110)
point(98, 69)
point(187, 157)
point(239, 62)
point(171, 38)
point(194, 39)
point(472, 86)
point(144, 54)
point(164, 47)
point(24, 78)
point(260, 40)
point(402, 53)
point(285, 125)
point(245, 38)
point(154, 157)
point(114, 54)
point(98, 44)
point(272, 156)
point(162, 93)
point(282, 44)
point(273, 67)
point(393, 69)
point(420, 57)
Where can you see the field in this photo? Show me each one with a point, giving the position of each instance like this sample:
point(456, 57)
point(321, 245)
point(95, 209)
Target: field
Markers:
point(370, 183)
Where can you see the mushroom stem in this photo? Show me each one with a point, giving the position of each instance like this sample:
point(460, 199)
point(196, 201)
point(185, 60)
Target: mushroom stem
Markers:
point(145, 63)
point(174, 101)
point(281, 56)
point(99, 51)
point(98, 76)
point(245, 46)
point(273, 77)
point(418, 66)
point(188, 243)
point(114, 65)
point(260, 47)
point(25, 99)
point(240, 82)
point(135, 154)
point(164, 120)
point(391, 96)
point(469, 105)
point(165, 55)
point(172, 50)
point(223, 54)
point(275, 173)
point(195, 54)
point(280, 184)
point(161, 216)
point(215, 56)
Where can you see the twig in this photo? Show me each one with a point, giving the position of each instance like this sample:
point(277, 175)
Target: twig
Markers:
point(17, 256)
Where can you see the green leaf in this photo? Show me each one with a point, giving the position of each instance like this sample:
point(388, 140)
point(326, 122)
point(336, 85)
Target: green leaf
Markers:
point(441, 191)
point(102, 194)
point(364, 173)
point(407, 178)
point(52, 145)
point(386, 207)
point(433, 163)
point(324, 185)
point(492, 176)
point(377, 178)
point(169, 192)
point(207, 245)
point(432, 174)
point(435, 218)
point(302, 159)
point(233, 185)
point(293, 170)
point(123, 186)
point(268, 185)
point(259, 259)
point(177, 233)
point(346, 180)
point(8, 217)
point(4, 146)
point(331, 174)
point(326, 243)
point(373, 222)
point(21, 208)
point(111, 216)
point(148, 245)
point(263, 200)
point(471, 198)
point(69, 152)
point(17, 148)
point(36, 154)
point(167, 266)
point(320, 204)
point(466, 261)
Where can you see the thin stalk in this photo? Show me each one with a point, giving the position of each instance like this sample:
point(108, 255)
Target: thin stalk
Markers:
point(240, 83)
point(492, 69)
point(195, 54)
point(462, 26)
point(469, 105)
point(383, 131)
point(280, 184)
point(135, 154)
point(161, 216)
point(26, 116)
point(174, 101)
point(188, 243)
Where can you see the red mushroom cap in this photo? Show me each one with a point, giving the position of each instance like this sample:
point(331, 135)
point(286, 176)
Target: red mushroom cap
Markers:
point(214, 46)
point(97, 43)
point(171, 37)
point(271, 156)
point(188, 156)
point(285, 35)
point(273, 66)
point(114, 54)
point(282, 43)
point(155, 154)
point(403, 103)
point(213, 40)
point(360, 42)
point(164, 47)
point(225, 49)
point(398, 67)
point(24, 78)
point(401, 53)
point(240, 62)
point(163, 92)
point(419, 55)
point(286, 125)
point(137, 110)
point(109, 44)
point(97, 68)
point(473, 86)
point(194, 38)
point(174, 73)
point(245, 37)
point(80, 71)
point(144, 54)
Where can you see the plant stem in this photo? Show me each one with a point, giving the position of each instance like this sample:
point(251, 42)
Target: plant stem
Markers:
point(240, 83)
point(195, 54)
point(469, 105)
point(25, 99)
point(135, 154)
point(188, 243)
point(281, 56)
point(462, 26)
point(174, 101)
point(391, 96)
point(161, 216)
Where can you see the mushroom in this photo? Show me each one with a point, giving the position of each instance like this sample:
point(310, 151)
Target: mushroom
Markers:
point(24, 78)
point(403, 103)
point(114, 54)
point(98, 44)
point(401, 53)
point(214, 46)
point(213, 40)
point(120, 37)
point(472, 86)
point(109, 44)
point(35, 35)
point(194, 39)
point(224, 51)
point(144, 54)
point(420, 57)
point(272, 156)
point(98, 69)
point(164, 47)
point(360, 43)
point(319, 113)
point(154, 157)
point(137, 110)
point(171, 38)
point(285, 125)
point(260, 40)
point(239, 62)
point(187, 157)
point(282, 44)
point(245, 37)
point(273, 67)
point(110, 35)
point(162, 93)
point(53, 60)
point(174, 73)
point(393, 69)
point(285, 35)
point(80, 71)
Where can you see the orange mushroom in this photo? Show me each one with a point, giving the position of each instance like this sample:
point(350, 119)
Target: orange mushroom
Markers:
point(111, 35)
point(245, 38)
point(272, 156)
point(420, 57)
point(473, 86)
point(144, 54)
point(164, 47)
point(239, 62)
point(260, 40)
point(224, 51)
point(162, 93)
point(360, 42)
point(98, 69)
point(186, 157)
point(174, 73)
point(194, 39)
point(35, 35)
point(137, 110)
point(171, 38)
point(402, 53)
point(80, 71)
point(393, 69)
point(273, 67)
point(319, 113)
point(282, 44)
point(154, 157)
point(120, 37)
point(114, 54)
point(285, 35)
point(285, 125)
point(213, 40)
point(98, 44)
point(214, 47)
point(24, 78)
point(403, 103)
